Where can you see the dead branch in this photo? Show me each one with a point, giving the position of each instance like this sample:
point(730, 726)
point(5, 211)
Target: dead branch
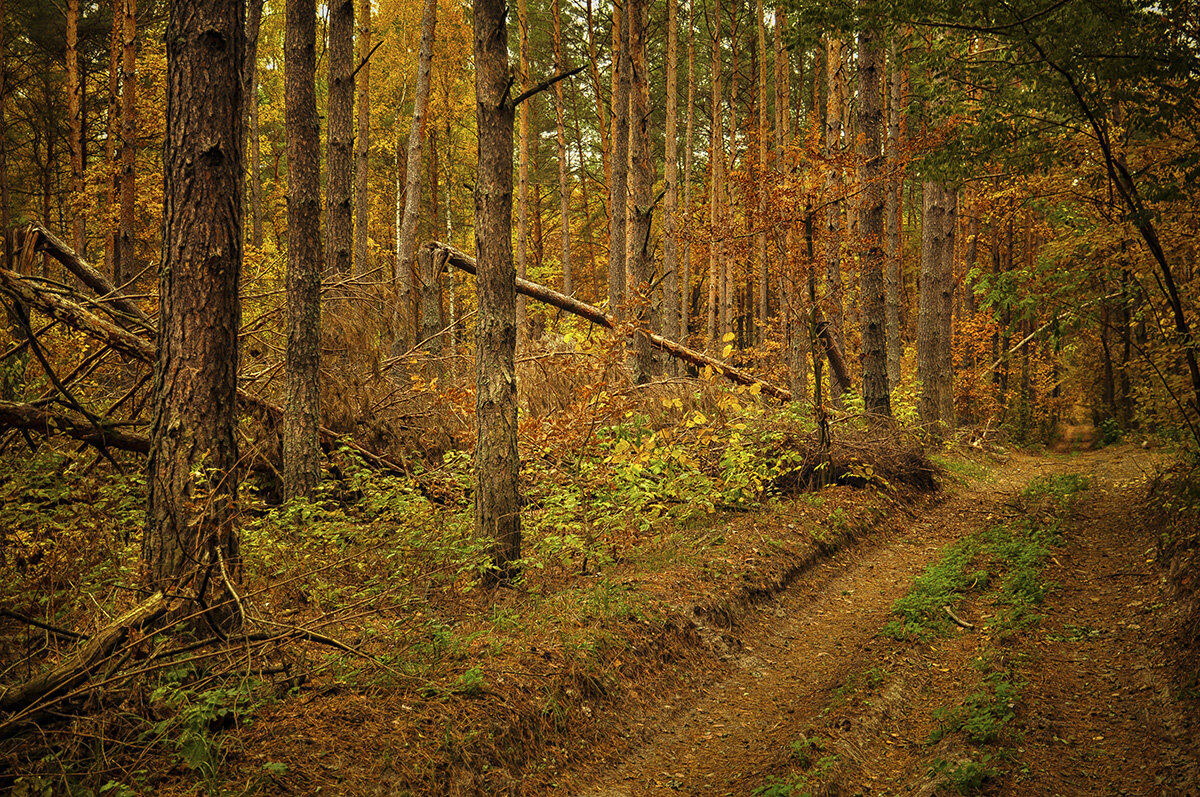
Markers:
point(958, 621)
point(39, 419)
point(43, 240)
point(597, 316)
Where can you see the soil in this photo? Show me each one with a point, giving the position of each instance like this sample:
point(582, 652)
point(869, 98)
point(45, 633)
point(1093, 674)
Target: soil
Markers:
point(1103, 707)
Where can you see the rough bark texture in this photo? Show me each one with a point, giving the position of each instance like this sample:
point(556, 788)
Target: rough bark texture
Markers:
point(302, 405)
point(112, 135)
point(688, 156)
point(127, 265)
point(75, 125)
point(190, 545)
point(497, 499)
point(834, 185)
point(339, 158)
point(891, 279)
point(619, 184)
point(870, 152)
point(254, 9)
point(362, 141)
point(716, 165)
point(407, 244)
point(799, 339)
point(762, 289)
point(641, 183)
point(429, 269)
point(564, 171)
point(934, 363)
point(5, 237)
point(670, 278)
point(523, 158)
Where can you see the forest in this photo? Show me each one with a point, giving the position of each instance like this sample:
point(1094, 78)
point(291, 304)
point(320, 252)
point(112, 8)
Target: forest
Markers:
point(442, 398)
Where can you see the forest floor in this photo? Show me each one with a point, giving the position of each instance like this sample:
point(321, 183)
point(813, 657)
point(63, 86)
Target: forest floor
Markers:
point(1083, 696)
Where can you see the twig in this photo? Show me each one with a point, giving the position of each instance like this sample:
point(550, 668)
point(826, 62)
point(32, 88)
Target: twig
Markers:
point(45, 626)
point(958, 620)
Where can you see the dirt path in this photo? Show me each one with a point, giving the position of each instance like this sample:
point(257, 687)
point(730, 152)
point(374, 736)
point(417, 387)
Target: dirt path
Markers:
point(813, 667)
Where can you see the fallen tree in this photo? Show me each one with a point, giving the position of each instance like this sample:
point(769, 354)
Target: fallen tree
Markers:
point(42, 420)
point(597, 316)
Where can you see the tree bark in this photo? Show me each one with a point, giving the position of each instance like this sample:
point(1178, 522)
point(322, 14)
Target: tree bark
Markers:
point(407, 244)
point(39, 419)
point(362, 141)
point(797, 327)
point(523, 160)
point(127, 263)
point(191, 546)
point(619, 185)
point(339, 222)
point(895, 181)
point(670, 280)
point(685, 309)
point(762, 285)
point(602, 111)
point(871, 289)
point(497, 488)
point(302, 406)
point(254, 11)
point(716, 165)
point(934, 361)
point(641, 182)
point(75, 128)
point(564, 172)
point(112, 135)
point(835, 186)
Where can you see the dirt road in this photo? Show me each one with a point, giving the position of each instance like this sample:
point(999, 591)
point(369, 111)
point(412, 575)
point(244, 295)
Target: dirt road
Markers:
point(818, 702)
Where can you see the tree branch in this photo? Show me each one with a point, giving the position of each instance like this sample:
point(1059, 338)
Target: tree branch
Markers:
point(545, 84)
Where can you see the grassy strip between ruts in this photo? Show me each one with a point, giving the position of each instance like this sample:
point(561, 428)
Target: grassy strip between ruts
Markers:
point(1001, 564)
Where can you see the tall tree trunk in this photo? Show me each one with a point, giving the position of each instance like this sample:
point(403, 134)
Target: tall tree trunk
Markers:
point(641, 183)
point(75, 129)
point(362, 141)
point(602, 111)
point(688, 156)
point(835, 80)
point(972, 253)
point(190, 546)
point(797, 331)
point(761, 283)
point(895, 181)
point(671, 301)
point(716, 165)
point(302, 407)
point(407, 244)
point(934, 361)
point(339, 161)
point(870, 151)
point(523, 161)
point(127, 250)
point(619, 183)
point(112, 135)
point(564, 171)
point(497, 499)
point(725, 311)
point(254, 9)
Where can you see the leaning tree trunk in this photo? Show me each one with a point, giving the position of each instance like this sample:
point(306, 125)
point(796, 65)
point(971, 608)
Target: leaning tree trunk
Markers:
point(406, 246)
point(340, 139)
point(934, 362)
point(302, 407)
point(871, 289)
point(191, 546)
point(497, 499)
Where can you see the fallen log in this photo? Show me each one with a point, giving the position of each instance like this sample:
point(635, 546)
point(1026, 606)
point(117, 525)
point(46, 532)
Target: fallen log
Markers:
point(85, 661)
point(42, 240)
point(597, 316)
point(39, 419)
point(138, 348)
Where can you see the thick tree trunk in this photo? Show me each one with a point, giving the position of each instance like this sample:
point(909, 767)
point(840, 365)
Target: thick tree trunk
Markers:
point(835, 186)
point(894, 182)
point(619, 185)
point(75, 128)
point(641, 183)
point(497, 464)
point(934, 361)
point(670, 281)
point(362, 141)
point(302, 407)
point(797, 328)
point(339, 160)
point(564, 172)
point(254, 9)
point(871, 289)
point(405, 320)
point(128, 265)
point(716, 165)
point(190, 546)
